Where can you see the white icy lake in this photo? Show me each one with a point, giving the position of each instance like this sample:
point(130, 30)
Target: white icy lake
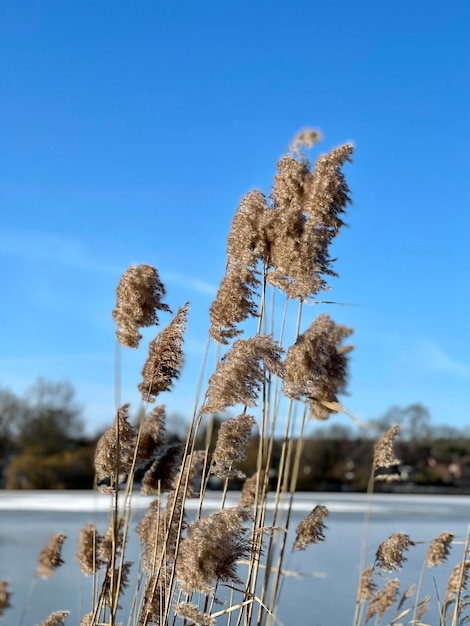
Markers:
point(324, 594)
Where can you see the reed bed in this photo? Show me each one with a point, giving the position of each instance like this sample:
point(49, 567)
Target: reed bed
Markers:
point(228, 567)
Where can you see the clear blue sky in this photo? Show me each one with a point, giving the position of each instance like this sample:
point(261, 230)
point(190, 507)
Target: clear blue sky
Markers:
point(130, 131)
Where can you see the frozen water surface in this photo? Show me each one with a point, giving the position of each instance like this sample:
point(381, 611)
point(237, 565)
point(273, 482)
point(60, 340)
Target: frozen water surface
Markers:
point(323, 596)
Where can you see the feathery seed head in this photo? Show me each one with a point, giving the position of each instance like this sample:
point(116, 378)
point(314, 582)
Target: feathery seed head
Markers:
point(191, 612)
point(161, 475)
point(114, 453)
point(457, 582)
point(165, 358)
point(383, 599)
point(5, 596)
point(56, 619)
point(389, 555)
point(367, 584)
point(139, 296)
point(310, 530)
point(316, 365)
point(230, 448)
point(306, 138)
point(251, 487)
point(50, 557)
point(234, 302)
point(240, 373)
point(88, 548)
point(158, 532)
point(438, 550)
point(211, 549)
point(384, 455)
point(152, 436)
point(246, 243)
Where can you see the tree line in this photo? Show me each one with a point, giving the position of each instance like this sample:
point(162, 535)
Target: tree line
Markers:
point(43, 445)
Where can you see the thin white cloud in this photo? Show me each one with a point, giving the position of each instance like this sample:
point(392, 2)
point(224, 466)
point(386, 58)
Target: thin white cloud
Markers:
point(37, 246)
point(189, 282)
point(427, 357)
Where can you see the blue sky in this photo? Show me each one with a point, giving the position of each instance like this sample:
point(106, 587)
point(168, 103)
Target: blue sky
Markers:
point(130, 132)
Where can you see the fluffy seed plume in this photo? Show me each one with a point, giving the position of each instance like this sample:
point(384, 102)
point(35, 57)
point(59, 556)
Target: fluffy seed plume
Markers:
point(457, 582)
point(162, 473)
point(384, 455)
point(155, 597)
point(316, 366)
point(5, 596)
point(239, 375)
point(112, 536)
point(367, 585)
point(310, 530)
point(285, 227)
point(189, 611)
point(383, 599)
point(139, 295)
point(423, 608)
point(251, 487)
point(305, 138)
point(165, 358)
point(230, 448)
point(88, 547)
point(234, 302)
point(439, 549)
point(211, 549)
point(50, 557)
point(158, 532)
point(389, 555)
point(152, 436)
point(116, 581)
point(114, 453)
point(246, 243)
point(304, 220)
point(56, 619)
point(186, 483)
point(329, 193)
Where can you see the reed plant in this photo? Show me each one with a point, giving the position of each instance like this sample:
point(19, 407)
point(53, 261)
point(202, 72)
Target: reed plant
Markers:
point(228, 567)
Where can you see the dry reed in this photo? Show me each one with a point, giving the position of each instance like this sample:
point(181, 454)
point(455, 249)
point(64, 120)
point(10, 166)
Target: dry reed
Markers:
point(277, 242)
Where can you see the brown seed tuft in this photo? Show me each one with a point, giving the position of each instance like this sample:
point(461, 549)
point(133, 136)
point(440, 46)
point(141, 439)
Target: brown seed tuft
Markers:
point(438, 550)
point(304, 220)
point(316, 365)
point(56, 619)
point(384, 455)
point(305, 138)
point(457, 582)
point(155, 597)
point(191, 612)
point(310, 530)
point(50, 557)
point(108, 461)
point(239, 375)
point(152, 436)
point(246, 244)
point(112, 535)
point(233, 437)
point(5, 596)
point(367, 585)
point(383, 599)
point(251, 487)
point(234, 302)
point(211, 549)
point(88, 547)
point(161, 475)
point(389, 555)
point(139, 296)
point(165, 358)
